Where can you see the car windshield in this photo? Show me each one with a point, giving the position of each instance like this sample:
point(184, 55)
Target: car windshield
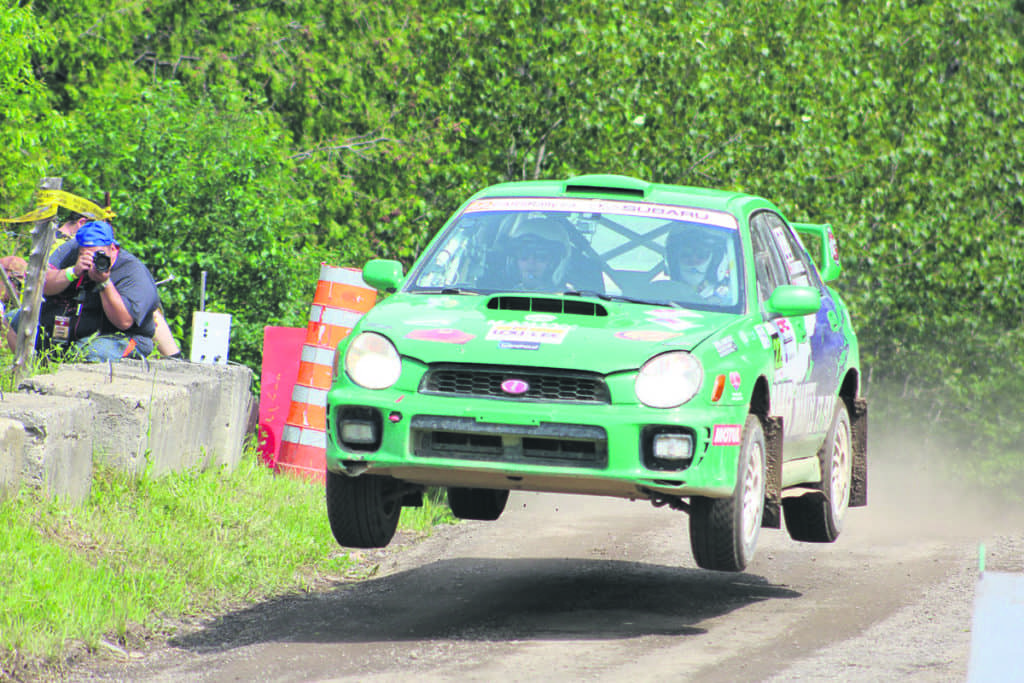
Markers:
point(644, 253)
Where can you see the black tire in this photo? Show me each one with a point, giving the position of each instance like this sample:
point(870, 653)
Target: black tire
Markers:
point(364, 510)
point(724, 531)
point(483, 504)
point(818, 517)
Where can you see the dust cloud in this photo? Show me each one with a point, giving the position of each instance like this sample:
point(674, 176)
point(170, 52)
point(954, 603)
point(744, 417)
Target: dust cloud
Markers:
point(917, 488)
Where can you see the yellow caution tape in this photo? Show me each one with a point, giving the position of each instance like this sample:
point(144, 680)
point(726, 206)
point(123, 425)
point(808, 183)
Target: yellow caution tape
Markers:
point(50, 200)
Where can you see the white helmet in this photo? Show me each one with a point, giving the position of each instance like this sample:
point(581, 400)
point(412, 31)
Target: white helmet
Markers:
point(539, 254)
point(689, 253)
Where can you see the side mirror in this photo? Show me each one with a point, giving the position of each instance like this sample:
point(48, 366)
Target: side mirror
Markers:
point(794, 300)
point(383, 274)
point(828, 260)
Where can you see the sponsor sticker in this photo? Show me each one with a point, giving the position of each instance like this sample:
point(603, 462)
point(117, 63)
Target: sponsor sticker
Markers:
point(673, 318)
point(726, 346)
point(646, 335)
point(519, 346)
point(445, 335)
point(735, 380)
point(764, 336)
point(726, 435)
point(608, 206)
point(519, 331)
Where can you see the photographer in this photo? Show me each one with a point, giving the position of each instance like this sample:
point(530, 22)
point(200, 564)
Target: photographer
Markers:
point(99, 298)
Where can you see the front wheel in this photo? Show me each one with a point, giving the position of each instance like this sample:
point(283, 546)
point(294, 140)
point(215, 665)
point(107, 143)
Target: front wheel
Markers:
point(818, 517)
point(724, 531)
point(364, 510)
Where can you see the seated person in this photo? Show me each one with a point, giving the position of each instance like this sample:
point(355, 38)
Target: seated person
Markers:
point(693, 258)
point(99, 298)
point(538, 257)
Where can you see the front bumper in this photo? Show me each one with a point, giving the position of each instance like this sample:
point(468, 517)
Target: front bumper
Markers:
point(597, 449)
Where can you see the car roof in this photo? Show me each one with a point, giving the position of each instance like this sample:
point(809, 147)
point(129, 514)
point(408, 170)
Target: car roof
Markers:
point(629, 189)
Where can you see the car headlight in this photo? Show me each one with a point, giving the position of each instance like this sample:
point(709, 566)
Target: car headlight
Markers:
point(669, 380)
point(372, 361)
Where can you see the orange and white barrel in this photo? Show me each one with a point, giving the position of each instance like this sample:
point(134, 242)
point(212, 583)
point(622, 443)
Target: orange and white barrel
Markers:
point(340, 301)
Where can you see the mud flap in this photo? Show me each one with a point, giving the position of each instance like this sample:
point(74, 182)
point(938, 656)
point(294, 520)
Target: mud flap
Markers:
point(772, 517)
point(859, 429)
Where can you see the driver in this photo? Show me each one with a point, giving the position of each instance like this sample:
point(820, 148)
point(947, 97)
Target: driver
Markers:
point(693, 256)
point(539, 256)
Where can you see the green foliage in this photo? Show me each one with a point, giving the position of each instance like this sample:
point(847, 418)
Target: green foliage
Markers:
point(253, 140)
point(202, 185)
point(27, 124)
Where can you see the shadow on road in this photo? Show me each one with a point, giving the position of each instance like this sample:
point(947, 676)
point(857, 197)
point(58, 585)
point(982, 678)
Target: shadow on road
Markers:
point(495, 599)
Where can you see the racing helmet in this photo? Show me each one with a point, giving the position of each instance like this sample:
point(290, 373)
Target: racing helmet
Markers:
point(538, 254)
point(690, 253)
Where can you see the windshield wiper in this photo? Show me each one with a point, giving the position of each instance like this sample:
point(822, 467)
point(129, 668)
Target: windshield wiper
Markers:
point(619, 297)
point(587, 292)
point(456, 290)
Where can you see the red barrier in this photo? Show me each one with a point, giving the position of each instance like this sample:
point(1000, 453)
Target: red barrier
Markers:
point(282, 348)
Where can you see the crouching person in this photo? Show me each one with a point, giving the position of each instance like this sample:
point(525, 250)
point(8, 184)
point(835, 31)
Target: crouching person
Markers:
point(99, 298)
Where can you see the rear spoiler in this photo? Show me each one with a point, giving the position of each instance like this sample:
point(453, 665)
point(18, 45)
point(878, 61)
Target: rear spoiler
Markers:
point(828, 259)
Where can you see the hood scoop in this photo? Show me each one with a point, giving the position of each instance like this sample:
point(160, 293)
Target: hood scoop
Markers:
point(538, 304)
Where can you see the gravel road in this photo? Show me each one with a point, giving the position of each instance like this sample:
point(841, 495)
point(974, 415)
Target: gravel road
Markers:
point(579, 588)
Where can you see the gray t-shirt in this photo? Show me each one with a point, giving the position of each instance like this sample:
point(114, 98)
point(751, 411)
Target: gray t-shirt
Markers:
point(134, 283)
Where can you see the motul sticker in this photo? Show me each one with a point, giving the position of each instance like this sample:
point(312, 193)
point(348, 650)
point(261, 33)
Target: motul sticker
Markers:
point(726, 435)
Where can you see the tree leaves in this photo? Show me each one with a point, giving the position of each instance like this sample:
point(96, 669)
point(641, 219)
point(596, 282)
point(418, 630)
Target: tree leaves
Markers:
point(289, 132)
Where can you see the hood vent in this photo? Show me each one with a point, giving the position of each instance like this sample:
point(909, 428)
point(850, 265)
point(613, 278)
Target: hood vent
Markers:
point(537, 304)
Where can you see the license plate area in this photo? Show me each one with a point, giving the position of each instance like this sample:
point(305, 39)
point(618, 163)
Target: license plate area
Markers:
point(549, 443)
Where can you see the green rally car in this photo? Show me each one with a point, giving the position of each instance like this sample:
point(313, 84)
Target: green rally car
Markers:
point(608, 336)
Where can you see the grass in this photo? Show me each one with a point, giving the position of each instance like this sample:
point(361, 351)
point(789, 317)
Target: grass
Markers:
point(140, 554)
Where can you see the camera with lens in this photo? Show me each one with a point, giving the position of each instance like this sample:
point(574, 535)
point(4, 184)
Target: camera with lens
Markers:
point(100, 262)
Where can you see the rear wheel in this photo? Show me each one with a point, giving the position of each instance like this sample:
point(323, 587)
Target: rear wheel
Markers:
point(483, 504)
point(364, 510)
point(818, 517)
point(724, 531)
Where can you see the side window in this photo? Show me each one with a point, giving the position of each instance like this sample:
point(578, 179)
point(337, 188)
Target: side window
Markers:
point(769, 266)
point(798, 264)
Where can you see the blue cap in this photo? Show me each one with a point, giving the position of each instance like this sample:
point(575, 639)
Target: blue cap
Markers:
point(95, 234)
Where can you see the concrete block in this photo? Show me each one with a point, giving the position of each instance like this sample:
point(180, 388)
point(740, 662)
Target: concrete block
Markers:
point(12, 456)
point(137, 425)
point(196, 414)
point(58, 443)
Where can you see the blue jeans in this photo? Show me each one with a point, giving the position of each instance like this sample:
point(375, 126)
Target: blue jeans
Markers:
point(95, 349)
point(98, 349)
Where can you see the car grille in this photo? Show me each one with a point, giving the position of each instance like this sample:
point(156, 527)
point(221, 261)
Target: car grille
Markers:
point(548, 443)
point(485, 381)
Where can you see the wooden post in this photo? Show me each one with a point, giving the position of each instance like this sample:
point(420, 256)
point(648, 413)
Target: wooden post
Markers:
point(12, 293)
point(32, 297)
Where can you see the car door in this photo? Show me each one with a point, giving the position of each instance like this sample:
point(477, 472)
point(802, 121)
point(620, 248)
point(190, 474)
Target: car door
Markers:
point(794, 394)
